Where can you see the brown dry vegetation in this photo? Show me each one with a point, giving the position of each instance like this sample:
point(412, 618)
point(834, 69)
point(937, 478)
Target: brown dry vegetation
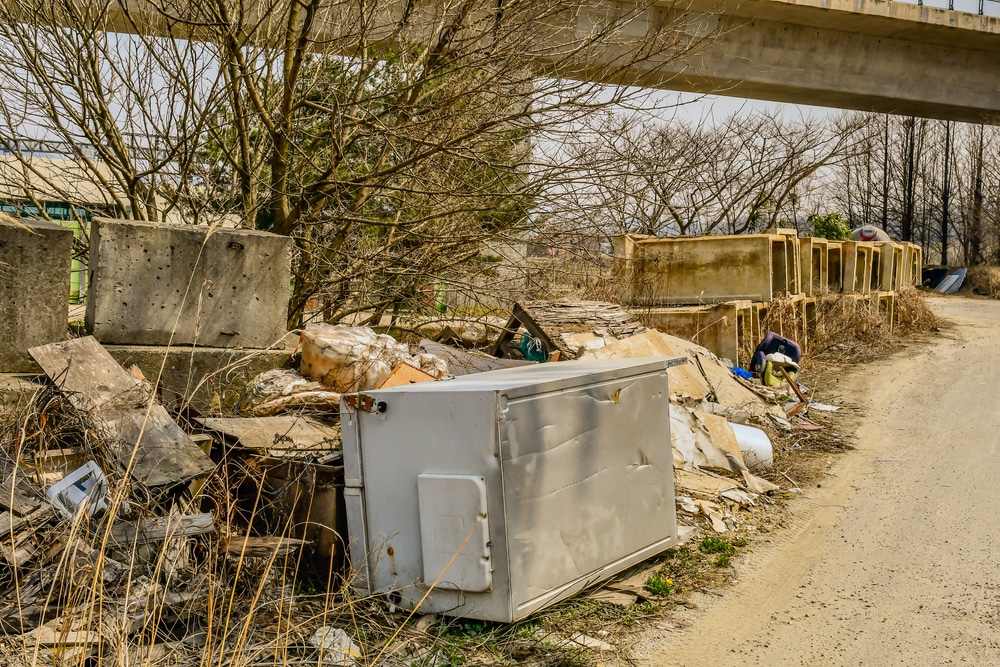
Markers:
point(983, 280)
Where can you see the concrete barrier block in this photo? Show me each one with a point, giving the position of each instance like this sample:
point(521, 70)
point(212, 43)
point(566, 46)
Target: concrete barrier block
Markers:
point(720, 327)
point(209, 380)
point(34, 289)
point(706, 269)
point(140, 273)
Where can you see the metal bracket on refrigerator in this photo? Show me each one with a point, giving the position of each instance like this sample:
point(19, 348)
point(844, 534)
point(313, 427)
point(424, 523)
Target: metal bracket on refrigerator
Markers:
point(365, 403)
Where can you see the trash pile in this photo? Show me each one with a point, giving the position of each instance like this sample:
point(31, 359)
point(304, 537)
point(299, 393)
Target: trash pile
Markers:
point(130, 532)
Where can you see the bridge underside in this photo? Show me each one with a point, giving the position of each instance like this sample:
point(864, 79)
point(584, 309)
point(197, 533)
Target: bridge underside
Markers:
point(850, 54)
point(868, 55)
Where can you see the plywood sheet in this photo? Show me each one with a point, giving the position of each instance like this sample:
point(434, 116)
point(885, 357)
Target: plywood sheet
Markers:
point(282, 433)
point(137, 429)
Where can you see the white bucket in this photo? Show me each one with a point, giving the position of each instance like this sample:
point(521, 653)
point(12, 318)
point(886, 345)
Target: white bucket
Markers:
point(755, 447)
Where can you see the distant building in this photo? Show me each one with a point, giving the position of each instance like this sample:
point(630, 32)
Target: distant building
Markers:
point(52, 187)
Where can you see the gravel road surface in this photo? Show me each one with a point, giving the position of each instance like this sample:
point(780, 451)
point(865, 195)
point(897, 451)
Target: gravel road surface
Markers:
point(894, 559)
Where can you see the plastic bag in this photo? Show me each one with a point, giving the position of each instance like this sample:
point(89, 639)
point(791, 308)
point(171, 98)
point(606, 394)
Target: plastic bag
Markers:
point(350, 359)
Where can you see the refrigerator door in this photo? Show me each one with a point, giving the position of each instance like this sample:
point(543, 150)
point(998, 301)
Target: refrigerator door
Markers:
point(425, 473)
point(588, 484)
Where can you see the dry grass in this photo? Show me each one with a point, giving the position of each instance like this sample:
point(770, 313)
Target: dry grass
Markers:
point(188, 601)
point(983, 280)
point(847, 327)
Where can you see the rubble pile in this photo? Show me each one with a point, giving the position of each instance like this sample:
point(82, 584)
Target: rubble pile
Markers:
point(127, 539)
point(129, 531)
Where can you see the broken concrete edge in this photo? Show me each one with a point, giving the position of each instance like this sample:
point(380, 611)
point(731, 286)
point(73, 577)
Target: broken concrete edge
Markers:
point(184, 370)
point(135, 427)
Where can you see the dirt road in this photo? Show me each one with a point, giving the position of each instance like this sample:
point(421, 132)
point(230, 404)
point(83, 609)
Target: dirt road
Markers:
point(895, 559)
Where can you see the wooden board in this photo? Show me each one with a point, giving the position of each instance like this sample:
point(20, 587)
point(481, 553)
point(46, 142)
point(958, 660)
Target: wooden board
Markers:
point(263, 547)
point(158, 529)
point(18, 495)
point(146, 441)
point(545, 320)
point(404, 374)
point(285, 433)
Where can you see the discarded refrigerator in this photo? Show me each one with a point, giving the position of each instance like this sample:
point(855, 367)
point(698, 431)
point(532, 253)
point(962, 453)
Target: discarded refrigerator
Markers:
point(504, 492)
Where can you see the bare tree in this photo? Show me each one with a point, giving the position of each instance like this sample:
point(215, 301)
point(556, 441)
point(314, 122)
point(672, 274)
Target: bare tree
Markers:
point(123, 109)
point(391, 139)
point(740, 175)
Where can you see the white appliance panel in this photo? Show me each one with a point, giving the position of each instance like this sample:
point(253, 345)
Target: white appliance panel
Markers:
point(557, 475)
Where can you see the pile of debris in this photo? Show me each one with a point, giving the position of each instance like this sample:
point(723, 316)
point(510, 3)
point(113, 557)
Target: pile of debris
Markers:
point(126, 535)
point(129, 531)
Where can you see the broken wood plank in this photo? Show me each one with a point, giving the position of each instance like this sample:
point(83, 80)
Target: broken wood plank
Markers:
point(281, 433)
point(18, 495)
point(158, 605)
point(62, 633)
point(18, 544)
point(326, 401)
point(547, 320)
point(10, 524)
point(132, 424)
point(158, 529)
point(263, 547)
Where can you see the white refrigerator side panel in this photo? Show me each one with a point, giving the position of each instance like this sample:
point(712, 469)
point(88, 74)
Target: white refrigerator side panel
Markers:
point(588, 477)
point(451, 434)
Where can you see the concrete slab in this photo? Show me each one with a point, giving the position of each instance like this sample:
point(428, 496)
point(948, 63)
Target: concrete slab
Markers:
point(184, 368)
point(34, 289)
point(706, 269)
point(140, 274)
point(16, 390)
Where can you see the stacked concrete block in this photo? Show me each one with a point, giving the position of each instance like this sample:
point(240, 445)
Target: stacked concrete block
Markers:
point(157, 283)
point(834, 266)
point(34, 289)
point(892, 268)
point(707, 269)
point(913, 261)
point(716, 290)
point(858, 258)
point(814, 265)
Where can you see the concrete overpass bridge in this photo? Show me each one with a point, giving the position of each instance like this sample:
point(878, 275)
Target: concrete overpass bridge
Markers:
point(870, 55)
